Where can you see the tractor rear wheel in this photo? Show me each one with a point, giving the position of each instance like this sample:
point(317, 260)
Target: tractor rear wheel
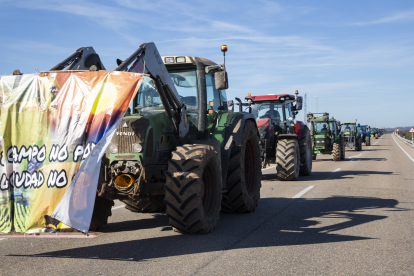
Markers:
point(101, 212)
point(193, 188)
point(336, 152)
point(244, 173)
point(287, 160)
point(152, 204)
point(368, 141)
point(305, 148)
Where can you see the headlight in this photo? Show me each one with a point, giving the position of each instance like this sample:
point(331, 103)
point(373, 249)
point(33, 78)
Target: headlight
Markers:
point(290, 118)
point(113, 148)
point(169, 60)
point(282, 98)
point(137, 147)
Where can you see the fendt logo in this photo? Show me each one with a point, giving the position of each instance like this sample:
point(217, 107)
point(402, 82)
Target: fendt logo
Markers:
point(124, 133)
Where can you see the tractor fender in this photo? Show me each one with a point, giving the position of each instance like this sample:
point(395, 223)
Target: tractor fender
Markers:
point(297, 129)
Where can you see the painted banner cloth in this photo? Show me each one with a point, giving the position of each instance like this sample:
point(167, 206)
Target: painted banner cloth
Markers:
point(54, 129)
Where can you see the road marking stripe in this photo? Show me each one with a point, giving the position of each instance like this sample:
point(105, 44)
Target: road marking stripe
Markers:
point(118, 207)
point(412, 159)
point(269, 168)
point(337, 170)
point(303, 192)
point(2, 239)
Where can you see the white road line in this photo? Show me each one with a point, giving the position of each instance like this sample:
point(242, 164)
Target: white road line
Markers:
point(337, 170)
point(2, 239)
point(269, 168)
point(303, 192)
point(412, 159)
point(118, 207)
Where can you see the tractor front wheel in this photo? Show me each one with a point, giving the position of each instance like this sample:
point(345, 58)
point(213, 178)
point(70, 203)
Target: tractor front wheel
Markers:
point(287, 160)
point(368, 141)
point(244, 173)
point(193, 188)
point(101, 212)
point(342, 146)
point(151, 204)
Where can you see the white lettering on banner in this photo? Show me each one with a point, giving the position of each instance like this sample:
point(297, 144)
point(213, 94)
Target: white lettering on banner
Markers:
point(26, 180)
point(56, 179)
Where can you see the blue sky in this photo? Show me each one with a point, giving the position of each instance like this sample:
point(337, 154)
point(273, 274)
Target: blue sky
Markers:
point(356, 56)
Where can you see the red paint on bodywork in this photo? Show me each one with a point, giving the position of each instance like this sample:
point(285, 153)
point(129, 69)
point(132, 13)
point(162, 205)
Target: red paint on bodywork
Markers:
point(263, 122)
point(297, 129)
point(269, 97)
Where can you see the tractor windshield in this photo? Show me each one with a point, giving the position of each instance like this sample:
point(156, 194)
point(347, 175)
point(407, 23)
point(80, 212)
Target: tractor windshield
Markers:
point(147, 97)
point(185, 82)
point(347, 127)
point(268, 109)
point(362, 128)
point(320, 127)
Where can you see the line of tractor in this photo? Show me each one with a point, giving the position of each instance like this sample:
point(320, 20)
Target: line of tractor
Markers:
point(182, 147)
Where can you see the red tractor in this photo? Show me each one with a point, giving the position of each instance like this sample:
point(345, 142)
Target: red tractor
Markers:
point(283, 140)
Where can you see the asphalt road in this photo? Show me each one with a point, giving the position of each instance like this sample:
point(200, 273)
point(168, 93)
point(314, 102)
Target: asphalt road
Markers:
point(352, 217)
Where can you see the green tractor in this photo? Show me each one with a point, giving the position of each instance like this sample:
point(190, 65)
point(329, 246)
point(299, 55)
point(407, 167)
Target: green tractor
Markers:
point(326, 136)
point(178, 147)
point(352, 137)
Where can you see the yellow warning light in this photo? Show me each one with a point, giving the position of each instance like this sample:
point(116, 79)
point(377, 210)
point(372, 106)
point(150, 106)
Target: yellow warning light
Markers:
point(297, 92)
point(249, 94)
point(224, 48)
point(332, 117)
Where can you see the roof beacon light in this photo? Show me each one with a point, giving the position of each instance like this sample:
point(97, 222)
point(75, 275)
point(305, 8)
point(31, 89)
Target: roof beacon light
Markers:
point(224, 50)
point(249, 94)
point(297, 92)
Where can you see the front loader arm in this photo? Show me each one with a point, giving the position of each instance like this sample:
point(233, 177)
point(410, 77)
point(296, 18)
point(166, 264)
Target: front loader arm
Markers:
point(147, 60)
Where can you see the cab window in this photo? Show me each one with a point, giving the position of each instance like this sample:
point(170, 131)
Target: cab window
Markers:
point(213, 95)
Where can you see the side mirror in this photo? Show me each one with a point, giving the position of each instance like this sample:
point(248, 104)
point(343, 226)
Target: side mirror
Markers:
point(221, 80)
point(230, 104)
point(298, 105)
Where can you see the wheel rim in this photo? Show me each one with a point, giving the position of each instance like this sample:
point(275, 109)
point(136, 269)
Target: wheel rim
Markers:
point(250, 167)
point(208, 197)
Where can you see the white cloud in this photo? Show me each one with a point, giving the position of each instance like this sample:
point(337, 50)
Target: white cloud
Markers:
point(396, 17)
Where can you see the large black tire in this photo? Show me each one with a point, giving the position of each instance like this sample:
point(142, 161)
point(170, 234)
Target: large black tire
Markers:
point(357, 143)
point(376, 135)
point(101, 212)
point(244, 173)
point(151, 204)
point(287, 160)
point(193, 188)
point(336, 152)
point(305, 149)
point(342, 145)
point(368, 141)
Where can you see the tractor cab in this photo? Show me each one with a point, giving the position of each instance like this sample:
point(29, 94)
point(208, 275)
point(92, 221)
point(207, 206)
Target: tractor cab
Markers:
point(326, 136)
point(351, 135)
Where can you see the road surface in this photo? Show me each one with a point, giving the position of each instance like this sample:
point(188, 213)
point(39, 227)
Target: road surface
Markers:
point(352, 217)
